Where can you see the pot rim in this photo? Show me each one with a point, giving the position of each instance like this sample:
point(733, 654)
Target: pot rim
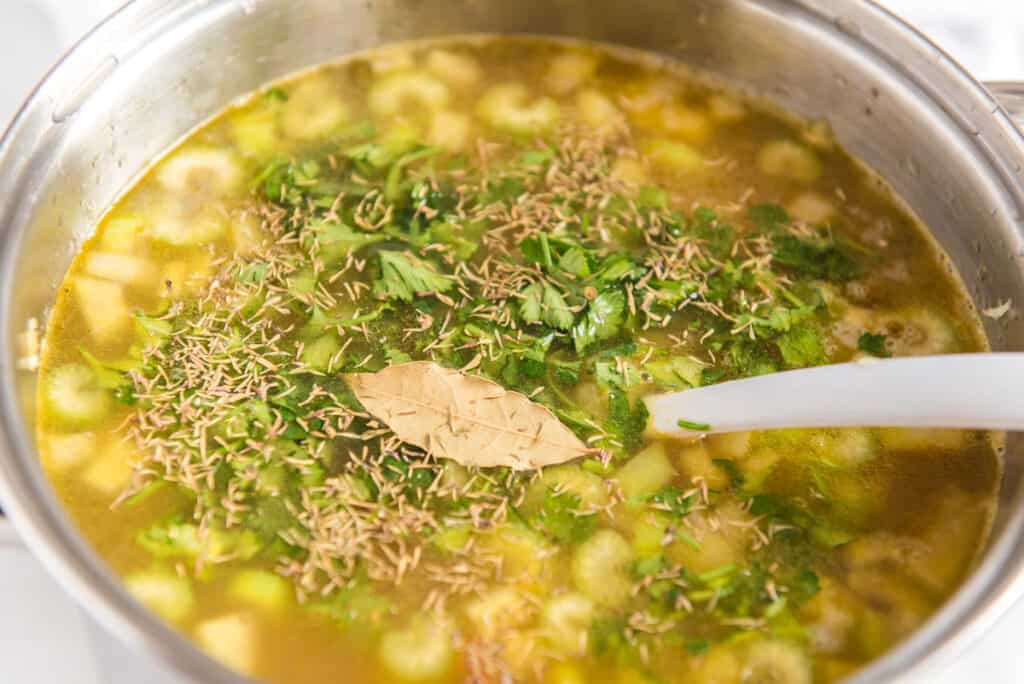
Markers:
point(992, 587)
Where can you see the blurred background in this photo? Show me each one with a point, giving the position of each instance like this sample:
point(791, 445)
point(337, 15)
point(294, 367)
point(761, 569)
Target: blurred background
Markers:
point(38, 621)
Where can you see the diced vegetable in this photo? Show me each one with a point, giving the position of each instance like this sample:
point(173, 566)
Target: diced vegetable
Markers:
point(720, 665)
point(213, 171)
point(314, 109)
point(523, 551)
point(246, 233)
point(255, 133)
point(163, 592)
point(696, 461)
point(104, 308)
point(458, 69)
point(726, 109)
point(788, 159)
point(231, 639)
point(421, 651)
point(567, 620)
point(686, 122)
point(847, 447)
point(64, 452)
point(393, 93)
point(504, 107)
point(630, 171)
point(170, 227)
point(262, 588)
point(918, 331)
point(598, 111)
point(773, 661)
point(111, 472)
point(569, 71)
point(449, 130)
point(674, 154)
point(601, 568)
point(716, 539)
point(121, 268)
point(729, 445)
point(812, 207)
point(121, 233)
point(75, 397)
point(571, 478)
point(499, 610)
point(645, 473)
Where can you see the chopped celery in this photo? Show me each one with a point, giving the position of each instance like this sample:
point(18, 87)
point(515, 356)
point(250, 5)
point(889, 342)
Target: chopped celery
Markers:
point(74, 395)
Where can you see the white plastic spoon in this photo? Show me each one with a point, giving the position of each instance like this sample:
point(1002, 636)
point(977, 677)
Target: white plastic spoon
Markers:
point(980, 391)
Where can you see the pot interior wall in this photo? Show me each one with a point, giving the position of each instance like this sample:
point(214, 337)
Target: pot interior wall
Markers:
point(144, 80)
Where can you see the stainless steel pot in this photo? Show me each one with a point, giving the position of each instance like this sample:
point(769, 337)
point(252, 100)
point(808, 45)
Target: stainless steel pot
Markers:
point(156, 69)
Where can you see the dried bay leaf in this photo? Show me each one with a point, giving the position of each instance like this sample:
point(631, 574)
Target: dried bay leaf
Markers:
point(469, 419)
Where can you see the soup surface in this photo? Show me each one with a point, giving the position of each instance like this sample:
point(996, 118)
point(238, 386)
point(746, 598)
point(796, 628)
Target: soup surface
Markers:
point(298, 388)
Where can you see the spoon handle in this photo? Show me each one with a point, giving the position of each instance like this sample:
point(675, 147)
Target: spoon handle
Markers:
point(980, 391)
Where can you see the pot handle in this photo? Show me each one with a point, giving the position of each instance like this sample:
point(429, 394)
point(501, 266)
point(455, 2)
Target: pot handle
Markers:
point(1010, 95)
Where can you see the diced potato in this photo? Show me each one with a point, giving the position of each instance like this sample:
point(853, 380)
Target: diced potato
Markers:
point(726, 109)
point(449, 130)
point(121, 233)
point(695, 461)
point(729, 445)
point(720, 665)
point(314, 109)
point(922, 439)
point(811, 207)
point(111, 471)
point(213, 171)
point(646, 473)
point(568, 477)
point(170, 227)
point(789, 159)
point(686, 122)
point(499, 610)
point(845, 447)
point(630, 171)
point(601, 568)
point(246, 233)
point(523, 551)
point(567, 621)
point(771, 660)
point(400, 92)
point(599, 112)
point(421, 651)
point(646, 96)
point(163, 592)
point(255, 132)
point(650, 531)
point(818, 133)
point(64, 452)
point(231, 639)
point(504, 107)
point(460, 70)
point(722, 537)
point(122, 268)
point(261, 588)
point(672, 153)
point(569, 71)
point(831, 616)
point(104, 308)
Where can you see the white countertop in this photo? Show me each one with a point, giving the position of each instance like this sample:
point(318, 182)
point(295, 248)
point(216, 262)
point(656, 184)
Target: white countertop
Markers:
point(44, 638)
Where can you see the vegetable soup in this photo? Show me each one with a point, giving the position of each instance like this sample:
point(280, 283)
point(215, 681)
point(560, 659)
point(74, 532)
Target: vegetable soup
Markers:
point(352, 381)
